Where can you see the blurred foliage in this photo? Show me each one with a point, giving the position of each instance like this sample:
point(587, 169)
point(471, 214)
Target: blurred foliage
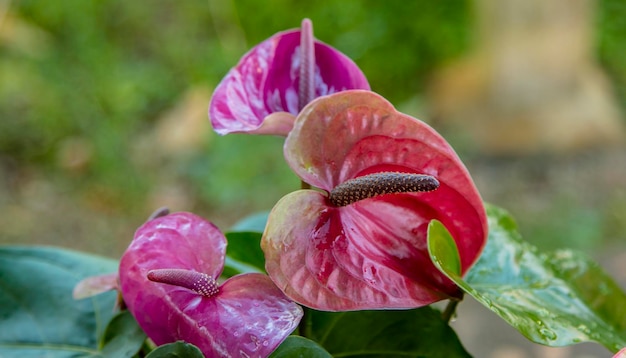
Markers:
point(104, 71)
point(101, 70)
point(611, 34)
point(84, 84)
point(396, 43)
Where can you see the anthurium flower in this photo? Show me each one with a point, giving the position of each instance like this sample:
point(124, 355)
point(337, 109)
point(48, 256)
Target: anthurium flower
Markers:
point(621, 353)
point(168, 282)
point(273, 81)
point(360, 241)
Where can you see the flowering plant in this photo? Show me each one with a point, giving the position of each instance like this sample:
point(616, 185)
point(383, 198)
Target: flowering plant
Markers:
point(388, 221)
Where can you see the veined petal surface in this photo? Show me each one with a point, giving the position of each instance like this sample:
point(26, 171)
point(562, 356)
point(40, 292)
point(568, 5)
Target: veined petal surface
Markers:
point(266, 81)
point(371, 254)
point(249, 316)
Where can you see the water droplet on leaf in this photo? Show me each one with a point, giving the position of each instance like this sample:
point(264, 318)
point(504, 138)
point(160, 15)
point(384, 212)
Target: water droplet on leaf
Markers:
point(548, 334)
point(584, 329)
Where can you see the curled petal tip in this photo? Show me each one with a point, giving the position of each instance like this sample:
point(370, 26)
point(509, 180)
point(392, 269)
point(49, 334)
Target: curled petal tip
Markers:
point(160, 212)
point(277, 123)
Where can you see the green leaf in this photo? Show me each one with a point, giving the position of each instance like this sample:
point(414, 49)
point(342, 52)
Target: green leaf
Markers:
point(38, 316)
point(253, 223)
point(177, 349)
point(443, 252)
point(296, 347)
point(397, 333)
point(555, 299)
point(244, 253)
point(123, 337)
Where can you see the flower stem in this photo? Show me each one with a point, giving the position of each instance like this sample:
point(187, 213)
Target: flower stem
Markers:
point(450, 309)
point(307, 64)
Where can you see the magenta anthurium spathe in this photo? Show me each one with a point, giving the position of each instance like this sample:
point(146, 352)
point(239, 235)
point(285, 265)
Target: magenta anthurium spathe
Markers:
point(168, 279)
point(273, 81)
point(369, 251)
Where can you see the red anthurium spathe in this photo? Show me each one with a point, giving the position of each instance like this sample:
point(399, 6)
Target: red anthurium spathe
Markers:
point(273, 81)
point(168, 282)
point(355, 247)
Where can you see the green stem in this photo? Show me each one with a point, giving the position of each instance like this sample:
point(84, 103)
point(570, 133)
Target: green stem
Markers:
point(450, 309)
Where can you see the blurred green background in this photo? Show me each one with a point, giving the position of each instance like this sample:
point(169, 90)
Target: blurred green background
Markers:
point(103, 115)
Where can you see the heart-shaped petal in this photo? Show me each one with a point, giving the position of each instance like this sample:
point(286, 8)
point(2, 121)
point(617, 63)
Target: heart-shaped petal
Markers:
point(354, 133)
point(372, 253)
point(266, 80)
point(369, 255)
point(248, 316)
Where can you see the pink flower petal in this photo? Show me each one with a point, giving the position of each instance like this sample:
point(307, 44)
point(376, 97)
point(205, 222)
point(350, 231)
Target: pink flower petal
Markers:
point(266, 80)
point(94, 285)
point(354, 133)
point(253, 315)
point(179, 240)
point(248, 316)
point(372, 253)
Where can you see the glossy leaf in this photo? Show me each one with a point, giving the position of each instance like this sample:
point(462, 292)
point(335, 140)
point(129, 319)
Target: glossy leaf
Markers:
point(557, 299)
point(123, 336)
point(299, 347)
point(371, 253)
point(253, 223)
point(245, 249)
point(39, 317)
point(444, 252)
point(414, 333)
point(176, 350)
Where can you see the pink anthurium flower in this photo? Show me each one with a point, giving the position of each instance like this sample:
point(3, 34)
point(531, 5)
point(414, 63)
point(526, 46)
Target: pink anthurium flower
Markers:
point(621, 353)
point(168, 282)
point(360, 241)
point(278, 77)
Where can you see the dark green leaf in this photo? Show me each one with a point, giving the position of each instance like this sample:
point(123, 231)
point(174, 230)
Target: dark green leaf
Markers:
point(244, 253)
point(253, 223)
point(38, 316)
point(177, 349)
point(123, 337)
point(399, 333)
point(555, 299)
point(299, 347)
